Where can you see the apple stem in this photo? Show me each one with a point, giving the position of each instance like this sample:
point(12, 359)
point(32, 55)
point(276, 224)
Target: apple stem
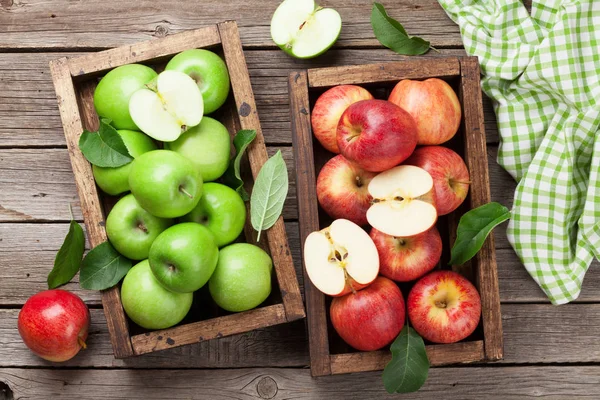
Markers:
point(182, 190)
point(434, 49)
point(464, 182)
point(71, 212)
point(82, 343)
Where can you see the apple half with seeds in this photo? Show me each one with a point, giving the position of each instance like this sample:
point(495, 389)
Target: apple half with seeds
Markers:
point(167, 106)
point(403, 201)
point(303, 29)
point(341, 258)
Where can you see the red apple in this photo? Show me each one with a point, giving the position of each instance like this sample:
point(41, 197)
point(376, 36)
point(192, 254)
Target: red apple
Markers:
point(370, 318)
point(444, 307)
point(434, 106)
point(342, 190)
point(450, 175)
point(376, 134)
point(405, 259)
point(329, 108)
point(54, 324)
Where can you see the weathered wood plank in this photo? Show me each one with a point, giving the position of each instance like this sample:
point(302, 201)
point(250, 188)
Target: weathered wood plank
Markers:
point(29, 115)
point(64, 24)
point(283, 346)
point(550, 383)
point(533, 333)
point(27, 254)
point(40, 185)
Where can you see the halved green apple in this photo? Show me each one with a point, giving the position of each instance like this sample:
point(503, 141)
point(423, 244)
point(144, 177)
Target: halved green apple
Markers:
point(303, 29)
point(167, 106)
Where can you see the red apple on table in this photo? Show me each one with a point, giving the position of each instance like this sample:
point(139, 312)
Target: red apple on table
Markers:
point(444, 307)
point(342, 190)
point(328, 109)
point(450, 175)
point(54, 324)
point(434, 106)
point(404, 259)
point(371, 318)
point(376, 134)
point(341, 258)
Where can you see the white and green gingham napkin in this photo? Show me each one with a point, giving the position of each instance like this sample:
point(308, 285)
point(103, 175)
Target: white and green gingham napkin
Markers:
point(543, 72)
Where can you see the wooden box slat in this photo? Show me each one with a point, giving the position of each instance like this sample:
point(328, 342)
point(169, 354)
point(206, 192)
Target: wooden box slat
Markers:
point(464, 73)
point(75, 81)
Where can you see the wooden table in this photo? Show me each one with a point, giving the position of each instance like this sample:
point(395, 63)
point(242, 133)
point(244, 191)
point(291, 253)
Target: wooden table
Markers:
point(549, 351)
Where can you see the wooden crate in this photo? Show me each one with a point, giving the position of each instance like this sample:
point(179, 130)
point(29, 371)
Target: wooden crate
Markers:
point(75, 80)
point(328, 353)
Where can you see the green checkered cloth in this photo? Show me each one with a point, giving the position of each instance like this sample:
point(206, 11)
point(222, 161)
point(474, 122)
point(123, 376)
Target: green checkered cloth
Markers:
point(543, 72)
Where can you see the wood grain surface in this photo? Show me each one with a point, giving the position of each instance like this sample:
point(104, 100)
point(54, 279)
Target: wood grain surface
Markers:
point(549, 352)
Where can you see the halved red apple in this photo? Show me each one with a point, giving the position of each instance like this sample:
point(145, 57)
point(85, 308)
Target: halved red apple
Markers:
point(341, 258)
point(403, 201)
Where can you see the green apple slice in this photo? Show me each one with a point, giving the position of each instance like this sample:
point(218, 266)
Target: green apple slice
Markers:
point(166, 108)
point(303, 29)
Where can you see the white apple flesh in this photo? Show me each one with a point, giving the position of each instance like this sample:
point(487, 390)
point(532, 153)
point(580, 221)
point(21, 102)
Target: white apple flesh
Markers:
point(341, 258)
point(303, 29)
point(168, 107)
point(403, 201)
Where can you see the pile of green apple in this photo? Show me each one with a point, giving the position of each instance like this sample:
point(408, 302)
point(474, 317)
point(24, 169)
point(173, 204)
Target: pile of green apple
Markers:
point(173, 217)
point(385, 189)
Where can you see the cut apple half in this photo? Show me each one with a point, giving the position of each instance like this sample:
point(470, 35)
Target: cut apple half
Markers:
point(341, 258)
point(403, 201)
point(303, 29)
point(168, 106)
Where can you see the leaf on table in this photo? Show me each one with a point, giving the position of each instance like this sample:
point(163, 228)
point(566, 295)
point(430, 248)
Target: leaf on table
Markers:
point(68, 258)
point(392, 34)
point(409, 367)
point(232, 176)
point(103, 267)
point(473, 228)
point(104, 148)
point(269, 193)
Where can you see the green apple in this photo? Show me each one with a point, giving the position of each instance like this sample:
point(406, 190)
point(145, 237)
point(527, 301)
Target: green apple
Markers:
point(115, 181)
point(242, 279)
point(222, 211)
point(184, 257)
point(131, 229)
point(206, 145)
point(114, 90)
point(166, 184)
point(150, 305)
point(303, 29)
point(210, 73)
point(167, 106)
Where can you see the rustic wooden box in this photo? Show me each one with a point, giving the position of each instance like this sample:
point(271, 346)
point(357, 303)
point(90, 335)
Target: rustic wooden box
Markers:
point(328, 353)
point(75, 80)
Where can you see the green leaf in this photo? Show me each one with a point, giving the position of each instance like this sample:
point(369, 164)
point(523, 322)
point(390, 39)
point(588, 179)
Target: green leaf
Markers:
point(392, 34)
point(474, 226)
point(269, 193)
point(68, 258)
point(409, 367)
point(232, 177)
point(103, 267)
point(104, 148)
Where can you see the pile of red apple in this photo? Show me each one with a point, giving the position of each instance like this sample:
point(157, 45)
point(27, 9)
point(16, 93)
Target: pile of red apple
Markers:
point(391, 178)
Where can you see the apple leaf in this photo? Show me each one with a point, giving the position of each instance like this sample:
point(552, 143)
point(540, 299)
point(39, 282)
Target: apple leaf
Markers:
point(68, 258)
point(104, 148)
point(409, 367)
point(232, 176)
point(392, 34)
point(473, 228)
point(103, 267)
point(269, 193)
